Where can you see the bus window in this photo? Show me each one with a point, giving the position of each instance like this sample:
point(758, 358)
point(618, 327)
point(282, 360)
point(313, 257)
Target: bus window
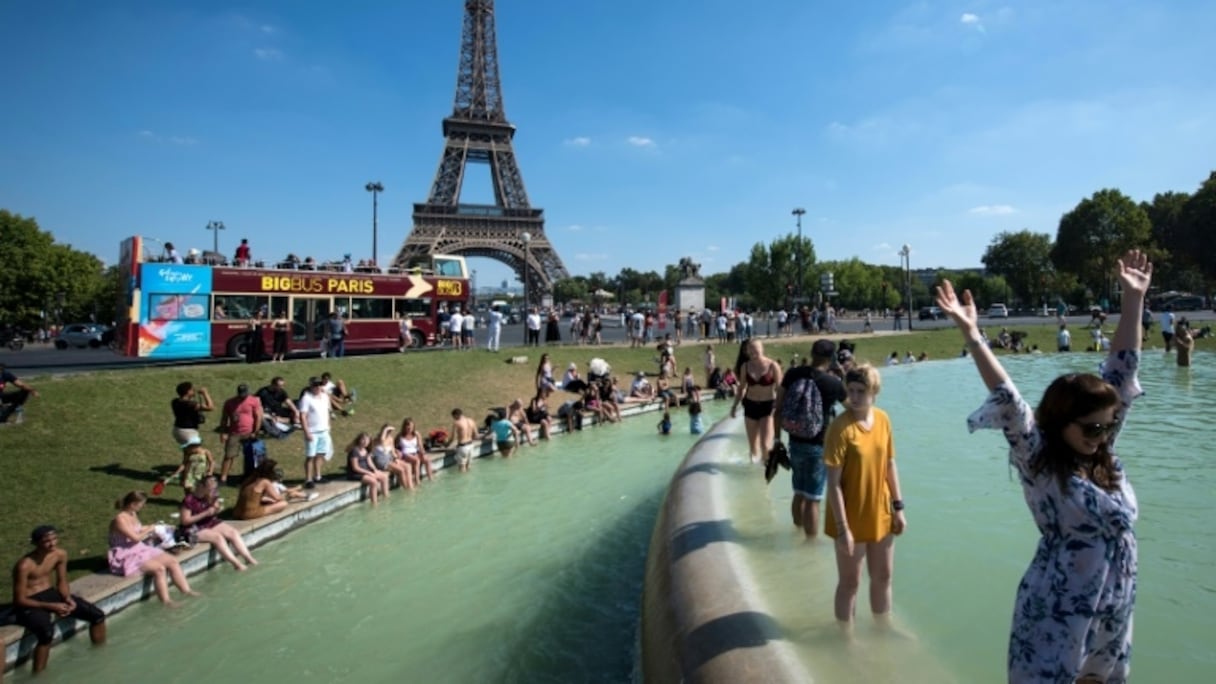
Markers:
point(449, 267)
point(367, 307)
point(342, 306)
point(413, 308)
point(243, 306)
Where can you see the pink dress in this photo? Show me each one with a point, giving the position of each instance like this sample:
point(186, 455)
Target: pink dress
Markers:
point(126, 556)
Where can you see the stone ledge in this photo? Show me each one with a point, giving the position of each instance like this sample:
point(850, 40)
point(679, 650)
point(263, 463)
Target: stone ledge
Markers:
point(112, 593)
point(701, 622)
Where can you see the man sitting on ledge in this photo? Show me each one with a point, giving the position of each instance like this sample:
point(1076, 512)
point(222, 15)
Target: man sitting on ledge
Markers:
point(41, 595)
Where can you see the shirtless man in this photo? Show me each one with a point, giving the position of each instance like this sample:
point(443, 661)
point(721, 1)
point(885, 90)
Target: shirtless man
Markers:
point(41, 595)
point(464, 434)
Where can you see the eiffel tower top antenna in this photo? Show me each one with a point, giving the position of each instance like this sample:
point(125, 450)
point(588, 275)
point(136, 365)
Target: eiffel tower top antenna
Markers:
point(478, 88)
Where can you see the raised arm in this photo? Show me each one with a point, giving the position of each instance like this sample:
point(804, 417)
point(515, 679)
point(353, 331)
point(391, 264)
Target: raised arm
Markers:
point(1134, 272)
point(962, 312)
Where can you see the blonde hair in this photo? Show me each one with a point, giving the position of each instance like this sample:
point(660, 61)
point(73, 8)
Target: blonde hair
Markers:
point(867, 375)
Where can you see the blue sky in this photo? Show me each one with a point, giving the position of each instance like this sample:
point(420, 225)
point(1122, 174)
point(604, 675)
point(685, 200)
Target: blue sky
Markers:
point(647, 131)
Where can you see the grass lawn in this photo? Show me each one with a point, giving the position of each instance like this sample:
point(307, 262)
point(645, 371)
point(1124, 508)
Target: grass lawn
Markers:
point(91, 437)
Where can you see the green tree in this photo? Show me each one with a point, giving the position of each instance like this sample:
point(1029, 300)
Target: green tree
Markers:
point(37, 275)
point(571, 289)
point(1023, 259)
point(1198, 218)
point(1093, 235)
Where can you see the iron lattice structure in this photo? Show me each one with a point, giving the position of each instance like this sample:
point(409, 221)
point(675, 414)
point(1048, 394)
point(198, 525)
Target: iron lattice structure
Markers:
point(478, 132)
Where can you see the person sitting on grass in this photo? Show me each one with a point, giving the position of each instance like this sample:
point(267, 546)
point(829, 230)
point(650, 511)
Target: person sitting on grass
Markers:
point(341, 398)
point(359, 467)
point(260, 495)
point(129, 554)
point(12, 404)
point(41, 595)
point(413, 451)
point(199, 519)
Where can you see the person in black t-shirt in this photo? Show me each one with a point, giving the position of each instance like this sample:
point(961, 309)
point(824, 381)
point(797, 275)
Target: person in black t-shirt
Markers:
point(277, 403)
point(11, 403)
point(188, 410)
point(806, 455)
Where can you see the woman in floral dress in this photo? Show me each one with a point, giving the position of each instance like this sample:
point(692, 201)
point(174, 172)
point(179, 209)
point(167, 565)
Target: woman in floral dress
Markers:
point(1072, 618)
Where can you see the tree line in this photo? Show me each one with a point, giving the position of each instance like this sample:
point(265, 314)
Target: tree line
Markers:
point(1023, 268)
point(43, 282)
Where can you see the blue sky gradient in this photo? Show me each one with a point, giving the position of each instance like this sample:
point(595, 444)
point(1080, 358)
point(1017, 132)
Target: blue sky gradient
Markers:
point(647, 131)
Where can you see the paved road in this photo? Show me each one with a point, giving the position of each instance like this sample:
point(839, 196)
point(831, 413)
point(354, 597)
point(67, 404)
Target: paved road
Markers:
point(37, 359)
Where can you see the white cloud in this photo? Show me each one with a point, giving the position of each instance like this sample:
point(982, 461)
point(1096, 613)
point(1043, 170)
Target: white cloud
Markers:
point(586, 256)
point(992, 210)
point(268, 29)
point(882, 247)
point(268, 54)
point(640, 141)
point(574, 228)
point(972, 20)
point(712, 248)
point(154, 137)
point(579, 141)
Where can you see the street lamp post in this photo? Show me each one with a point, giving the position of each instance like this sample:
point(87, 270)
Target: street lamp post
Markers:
point(906, 262)
point(375, 188)
point(527, 238)
point(798, 212)
point(215, 227)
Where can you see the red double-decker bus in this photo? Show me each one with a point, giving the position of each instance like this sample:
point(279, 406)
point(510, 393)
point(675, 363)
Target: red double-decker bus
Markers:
point(199, 310)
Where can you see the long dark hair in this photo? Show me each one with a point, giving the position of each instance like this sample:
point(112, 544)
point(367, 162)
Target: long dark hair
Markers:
point(1066, 399)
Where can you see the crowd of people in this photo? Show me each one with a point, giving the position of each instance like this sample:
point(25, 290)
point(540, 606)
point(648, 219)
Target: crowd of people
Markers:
point(1072, 618)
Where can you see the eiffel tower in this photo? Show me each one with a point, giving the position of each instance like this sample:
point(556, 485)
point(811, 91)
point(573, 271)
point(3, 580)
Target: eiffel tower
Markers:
point(478, 131)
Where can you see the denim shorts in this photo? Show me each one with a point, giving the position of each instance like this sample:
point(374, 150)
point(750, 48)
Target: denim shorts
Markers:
point(810, 475)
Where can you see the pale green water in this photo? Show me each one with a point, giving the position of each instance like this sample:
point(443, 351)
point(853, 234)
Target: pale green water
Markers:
point(531, 569)
point(970, 536)
point(525, 570)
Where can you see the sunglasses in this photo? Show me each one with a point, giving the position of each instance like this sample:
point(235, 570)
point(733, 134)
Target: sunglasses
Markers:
point(1097, 430)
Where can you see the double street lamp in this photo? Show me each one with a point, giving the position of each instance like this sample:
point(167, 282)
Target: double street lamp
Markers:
point(906, 262)
point(798, 213)
point(527, 238)
point(375, 188)
point(215, 227)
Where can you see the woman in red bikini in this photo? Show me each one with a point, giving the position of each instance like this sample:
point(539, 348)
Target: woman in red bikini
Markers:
point(757, 392)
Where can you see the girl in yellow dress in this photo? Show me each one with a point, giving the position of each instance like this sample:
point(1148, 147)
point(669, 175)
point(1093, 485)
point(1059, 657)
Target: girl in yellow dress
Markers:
point(865, 510)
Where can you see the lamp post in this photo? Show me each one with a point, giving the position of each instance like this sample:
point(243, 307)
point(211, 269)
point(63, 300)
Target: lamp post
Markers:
point(798, 212)
point(375, 188)
point(906, 262)
point(527, 238)
point(215, 227)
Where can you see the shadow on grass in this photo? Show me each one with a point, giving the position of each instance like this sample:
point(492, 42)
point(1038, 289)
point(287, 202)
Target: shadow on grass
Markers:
point(142, 475)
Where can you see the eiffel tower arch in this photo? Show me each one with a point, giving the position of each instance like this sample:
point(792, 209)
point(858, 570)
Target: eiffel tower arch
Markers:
point(478, 132)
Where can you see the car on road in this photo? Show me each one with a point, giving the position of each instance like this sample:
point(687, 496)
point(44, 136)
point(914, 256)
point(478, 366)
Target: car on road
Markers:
point(1184, 303)
point(931, 313)
point(81, 335)
point(998, 311)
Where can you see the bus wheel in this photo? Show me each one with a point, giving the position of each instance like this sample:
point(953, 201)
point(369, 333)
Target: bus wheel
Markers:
point(417, 339)
point(236, 347)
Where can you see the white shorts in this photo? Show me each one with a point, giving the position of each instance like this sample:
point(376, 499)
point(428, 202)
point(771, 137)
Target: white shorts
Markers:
point(320, 444)
point(465, 452)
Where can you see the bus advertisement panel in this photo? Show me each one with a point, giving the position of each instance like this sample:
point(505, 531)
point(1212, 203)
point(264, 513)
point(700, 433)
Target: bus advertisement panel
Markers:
point(176, 316)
